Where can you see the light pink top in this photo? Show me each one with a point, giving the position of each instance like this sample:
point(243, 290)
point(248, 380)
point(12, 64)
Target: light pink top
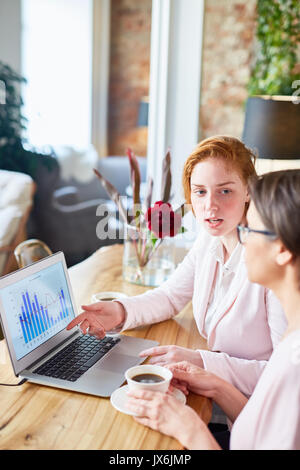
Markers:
point(271, 418)
point(246, 325)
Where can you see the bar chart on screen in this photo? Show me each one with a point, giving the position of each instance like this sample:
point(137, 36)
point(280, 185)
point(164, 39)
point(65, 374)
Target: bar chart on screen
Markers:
point(36, 318)
point(39, 307)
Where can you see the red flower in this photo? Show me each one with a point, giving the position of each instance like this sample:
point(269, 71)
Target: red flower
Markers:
point(162, 220)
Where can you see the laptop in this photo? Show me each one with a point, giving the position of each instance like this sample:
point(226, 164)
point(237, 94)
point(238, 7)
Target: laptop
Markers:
point(36, 305)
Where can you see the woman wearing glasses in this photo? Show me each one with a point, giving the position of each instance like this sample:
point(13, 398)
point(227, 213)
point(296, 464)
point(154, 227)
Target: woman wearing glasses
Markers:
point(270, 419)
point(241, 321)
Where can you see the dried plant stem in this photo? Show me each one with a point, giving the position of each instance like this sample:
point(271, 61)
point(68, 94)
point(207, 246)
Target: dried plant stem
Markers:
point(143, 251)
point(150, 254)
point(137, 251)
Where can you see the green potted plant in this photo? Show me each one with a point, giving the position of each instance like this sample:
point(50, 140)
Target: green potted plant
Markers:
point(13, 155)
point(278, 36)
point(272, 115)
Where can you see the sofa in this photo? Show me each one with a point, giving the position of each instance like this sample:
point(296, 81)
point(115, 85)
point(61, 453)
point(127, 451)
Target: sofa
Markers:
point(65, 211)
point(16, 199)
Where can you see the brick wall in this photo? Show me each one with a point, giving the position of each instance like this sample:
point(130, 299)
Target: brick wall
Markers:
point(129, 73)
point(229, 31)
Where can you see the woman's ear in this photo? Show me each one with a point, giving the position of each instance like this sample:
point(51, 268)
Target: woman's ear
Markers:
point(283, 256)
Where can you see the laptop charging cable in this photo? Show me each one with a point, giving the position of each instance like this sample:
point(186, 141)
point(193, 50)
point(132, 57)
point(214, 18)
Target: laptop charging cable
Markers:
point(14, 385)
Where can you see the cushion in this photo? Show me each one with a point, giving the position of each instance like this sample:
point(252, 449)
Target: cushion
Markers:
point(264, 165)
point(10, 217)
point(15, 189)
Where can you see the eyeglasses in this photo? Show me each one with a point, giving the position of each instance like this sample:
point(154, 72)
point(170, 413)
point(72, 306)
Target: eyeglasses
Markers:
point(243, 232)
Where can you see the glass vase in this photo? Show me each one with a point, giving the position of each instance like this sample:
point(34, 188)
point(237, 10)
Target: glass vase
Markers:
point(147, 262)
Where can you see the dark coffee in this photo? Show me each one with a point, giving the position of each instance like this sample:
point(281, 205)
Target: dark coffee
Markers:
point(108, 298)
point(147, 378)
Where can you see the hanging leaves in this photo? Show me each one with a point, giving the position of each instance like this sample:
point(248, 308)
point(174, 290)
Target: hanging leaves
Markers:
point(278, 36)
point(13, 155)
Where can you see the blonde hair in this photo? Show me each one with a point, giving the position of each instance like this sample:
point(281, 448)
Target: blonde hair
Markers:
point(228, 148)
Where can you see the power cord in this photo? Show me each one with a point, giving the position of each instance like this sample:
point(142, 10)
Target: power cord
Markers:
point(14, 385)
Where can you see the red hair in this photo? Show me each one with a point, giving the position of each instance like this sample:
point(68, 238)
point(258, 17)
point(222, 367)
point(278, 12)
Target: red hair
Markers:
point(228, 148)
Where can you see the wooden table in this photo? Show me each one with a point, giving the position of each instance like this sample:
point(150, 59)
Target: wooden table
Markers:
point(39, 417)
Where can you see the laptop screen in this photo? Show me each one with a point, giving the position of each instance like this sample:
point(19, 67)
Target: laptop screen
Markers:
point(37, 308)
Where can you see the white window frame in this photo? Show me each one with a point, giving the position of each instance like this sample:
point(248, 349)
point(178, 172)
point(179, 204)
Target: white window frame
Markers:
point(100, 77)
point(175, 83)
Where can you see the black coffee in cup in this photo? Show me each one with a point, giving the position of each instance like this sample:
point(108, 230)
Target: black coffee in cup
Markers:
point(147, 378)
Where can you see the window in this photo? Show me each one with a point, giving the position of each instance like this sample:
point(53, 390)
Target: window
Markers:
point(57, 63)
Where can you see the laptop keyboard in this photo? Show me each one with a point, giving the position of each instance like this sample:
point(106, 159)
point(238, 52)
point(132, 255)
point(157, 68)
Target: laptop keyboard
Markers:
point(75, 359)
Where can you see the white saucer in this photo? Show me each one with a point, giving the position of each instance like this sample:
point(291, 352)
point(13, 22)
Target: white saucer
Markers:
point(119, 399)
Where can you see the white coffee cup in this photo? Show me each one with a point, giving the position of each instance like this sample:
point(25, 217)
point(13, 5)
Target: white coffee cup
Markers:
point(147, 369)
point(106, 296)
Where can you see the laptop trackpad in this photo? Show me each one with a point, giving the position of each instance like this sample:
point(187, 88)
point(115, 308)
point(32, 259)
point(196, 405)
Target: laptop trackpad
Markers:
point(118, 362)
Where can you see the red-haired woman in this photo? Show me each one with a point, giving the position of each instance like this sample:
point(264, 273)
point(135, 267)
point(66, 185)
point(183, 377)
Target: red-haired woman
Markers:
point(270, 419)
point(242, 321)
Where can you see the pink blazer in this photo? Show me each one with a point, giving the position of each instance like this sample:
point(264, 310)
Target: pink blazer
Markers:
point(245, 328)
point(271, 418)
